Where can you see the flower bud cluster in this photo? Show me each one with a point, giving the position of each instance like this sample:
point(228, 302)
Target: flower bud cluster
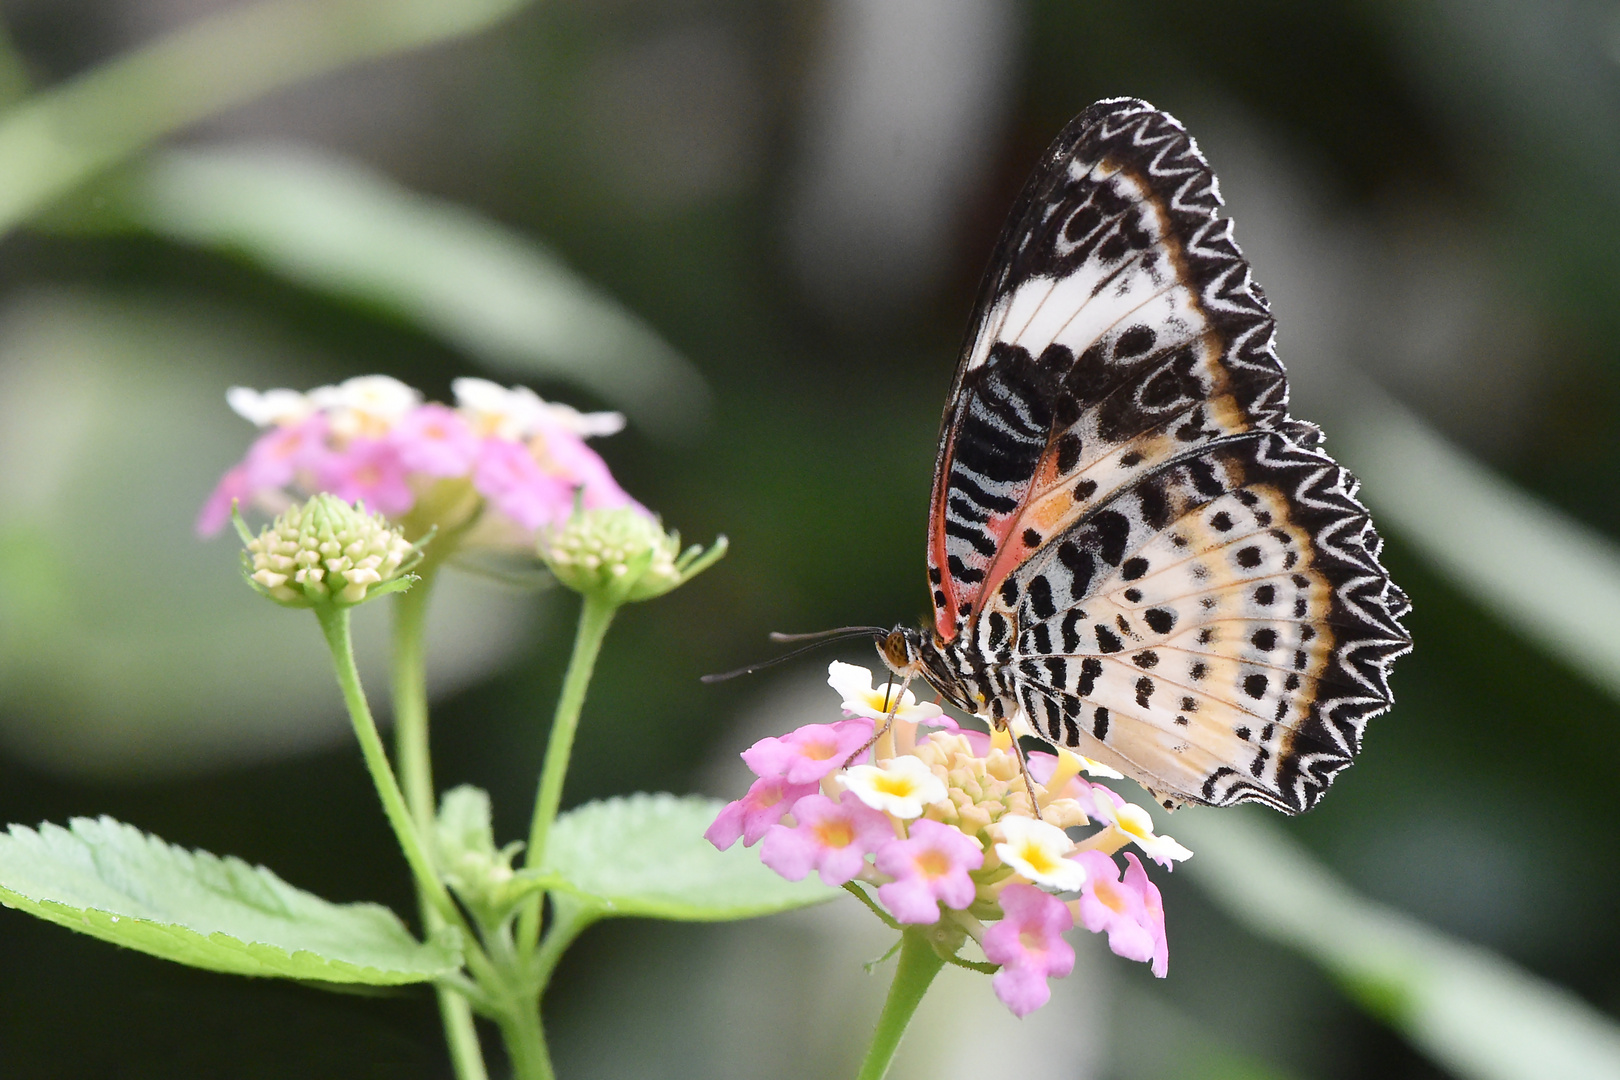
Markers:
point(326, 551)
point(623, 555)
point(950, 829)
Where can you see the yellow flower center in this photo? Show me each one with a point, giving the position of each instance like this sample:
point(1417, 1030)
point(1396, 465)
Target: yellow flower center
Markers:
point(1110, 895)
point(1039, 858)
point(835, 834)
point(820, 749)
point(901, 787)
point(1134, 820)
point(881, 700)
point(933, 864)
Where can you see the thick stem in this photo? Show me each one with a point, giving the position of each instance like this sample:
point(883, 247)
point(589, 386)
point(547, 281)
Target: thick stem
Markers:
point(594, 619)
point(411, 751)
point(919, 963)
point(526, 1043)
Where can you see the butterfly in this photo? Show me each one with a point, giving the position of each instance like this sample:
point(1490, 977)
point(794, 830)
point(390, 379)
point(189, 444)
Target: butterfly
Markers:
point(1134, 551)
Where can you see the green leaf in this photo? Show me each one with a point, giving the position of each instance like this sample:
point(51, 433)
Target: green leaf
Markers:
point(645, 855)
point(501, 297)
point(112, 881)
point(1475, 1013)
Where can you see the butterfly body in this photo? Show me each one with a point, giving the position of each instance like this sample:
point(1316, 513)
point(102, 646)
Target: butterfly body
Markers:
point(1134, 550)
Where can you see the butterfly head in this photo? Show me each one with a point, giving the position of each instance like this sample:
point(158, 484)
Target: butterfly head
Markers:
point(911, 653)
point(901, 651)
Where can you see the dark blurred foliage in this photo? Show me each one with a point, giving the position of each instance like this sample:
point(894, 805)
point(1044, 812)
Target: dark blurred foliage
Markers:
point(1481, 804)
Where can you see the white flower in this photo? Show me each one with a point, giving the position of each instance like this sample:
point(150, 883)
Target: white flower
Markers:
point(585, 425)
point(279, 407)
point(860, 699)
point(1134, 822)
point(365, 404)
point(519, 412)
point(901, 786)
point(492, 409)
point(1039, 852)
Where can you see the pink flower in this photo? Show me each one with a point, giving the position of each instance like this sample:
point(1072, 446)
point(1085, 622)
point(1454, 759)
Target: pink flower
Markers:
point(832, 837)
point(806, 755)
point(1131, 911)
point(755, 812)
point(929, 868)
point(508, 476)
point(1028, 944)
point(564, 455)
point(232, 488)
point(368, 470)
point(278, 455)
point(435, 440)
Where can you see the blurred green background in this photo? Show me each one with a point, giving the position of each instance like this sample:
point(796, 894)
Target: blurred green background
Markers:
point(757, 228)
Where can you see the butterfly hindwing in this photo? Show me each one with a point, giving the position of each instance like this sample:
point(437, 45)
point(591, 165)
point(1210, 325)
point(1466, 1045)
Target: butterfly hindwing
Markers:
point(1220, 629)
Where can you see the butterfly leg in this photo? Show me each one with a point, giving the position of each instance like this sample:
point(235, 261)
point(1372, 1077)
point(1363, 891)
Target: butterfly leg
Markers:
point(1023, 764)
point(888, 721)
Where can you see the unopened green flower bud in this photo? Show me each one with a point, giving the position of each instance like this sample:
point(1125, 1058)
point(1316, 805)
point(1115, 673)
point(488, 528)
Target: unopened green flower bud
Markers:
point(325, 551)
point(464, 849)
point(622, 555)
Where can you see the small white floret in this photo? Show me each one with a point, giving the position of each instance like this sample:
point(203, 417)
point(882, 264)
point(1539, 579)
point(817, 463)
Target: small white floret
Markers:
point(1039, 851)
point(270, 407)
point(901, 786)
point(1135, 823)
point(854, 685)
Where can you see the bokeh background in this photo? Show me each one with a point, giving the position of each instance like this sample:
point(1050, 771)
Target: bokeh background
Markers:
point(756, 226)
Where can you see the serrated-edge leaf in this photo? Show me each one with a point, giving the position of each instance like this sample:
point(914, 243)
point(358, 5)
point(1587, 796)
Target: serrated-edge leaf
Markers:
point(645, 855)
point(112, 881)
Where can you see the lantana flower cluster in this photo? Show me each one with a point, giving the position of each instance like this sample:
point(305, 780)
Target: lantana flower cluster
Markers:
point(941, 826)
point(502, 462)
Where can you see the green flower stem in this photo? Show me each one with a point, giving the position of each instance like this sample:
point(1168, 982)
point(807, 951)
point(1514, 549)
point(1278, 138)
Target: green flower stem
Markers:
point(594, 619)
point(572, 919)
point(919, 963)
point(526, 1042)
point(334, 622)
point(411, 750)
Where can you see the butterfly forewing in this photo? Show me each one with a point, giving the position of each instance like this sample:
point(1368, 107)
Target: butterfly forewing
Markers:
point(1147, 555)
point(1117, 328)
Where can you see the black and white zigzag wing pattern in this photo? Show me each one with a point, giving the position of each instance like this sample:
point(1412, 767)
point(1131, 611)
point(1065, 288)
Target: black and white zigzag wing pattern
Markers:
point(1118, 328)
point(1220, 629)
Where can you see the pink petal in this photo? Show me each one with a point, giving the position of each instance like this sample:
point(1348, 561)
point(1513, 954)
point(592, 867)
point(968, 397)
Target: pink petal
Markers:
point(910, 900)
point(435, 440)
point(1022, 990)
point(1136, 877)
point(507, 475)
point(232, 487)
point(727, 828)
point(809, 753)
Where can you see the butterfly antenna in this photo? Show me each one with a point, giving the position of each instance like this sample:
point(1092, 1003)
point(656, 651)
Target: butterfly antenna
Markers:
point(815, 640)
point(830, 635)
